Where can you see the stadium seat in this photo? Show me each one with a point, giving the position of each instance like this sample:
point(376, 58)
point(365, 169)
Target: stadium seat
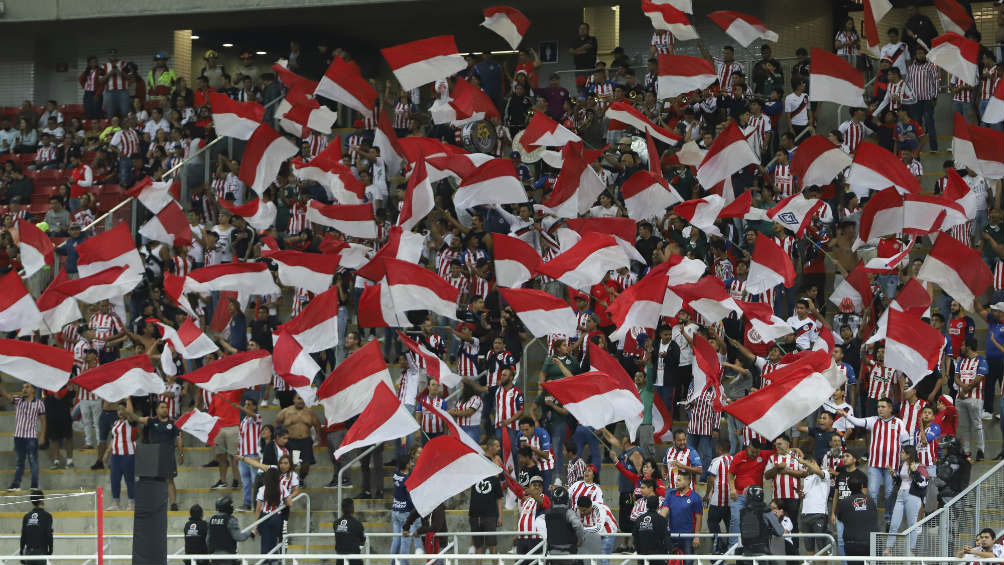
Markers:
point(88, 156)
point(73, 111)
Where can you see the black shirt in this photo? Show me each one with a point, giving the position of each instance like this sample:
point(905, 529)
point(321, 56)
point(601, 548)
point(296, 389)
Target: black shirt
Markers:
point(524, 474)
point(843, 491)
point(484, 496)
point(586, 60)
point(157, 431)
point(195, 537)
point(650, 533)
point(859, 515)
point(349, 535)
point(821, 442)
point(36, 532)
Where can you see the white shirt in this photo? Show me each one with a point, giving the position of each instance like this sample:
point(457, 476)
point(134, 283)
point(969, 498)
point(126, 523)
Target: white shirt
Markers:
point(815, 490)
point(151, 127)
point(686, 352)
point(195, 251)
point(791, 103)
point(806, 331)
point(898, 54)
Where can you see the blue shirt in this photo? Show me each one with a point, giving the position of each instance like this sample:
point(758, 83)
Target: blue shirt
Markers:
point(490, 74)
point(238, 338)
point(996, 330)
point(402, 499)
point(683, 506)
point(851, 376)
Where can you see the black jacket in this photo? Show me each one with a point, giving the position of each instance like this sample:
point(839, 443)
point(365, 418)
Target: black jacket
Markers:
point(349, 535)
point(36, 532)
point(650, 533)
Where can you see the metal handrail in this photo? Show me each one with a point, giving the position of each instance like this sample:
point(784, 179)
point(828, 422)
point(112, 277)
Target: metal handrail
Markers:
point(347, 466)
point(252, 525)
point(972, 486)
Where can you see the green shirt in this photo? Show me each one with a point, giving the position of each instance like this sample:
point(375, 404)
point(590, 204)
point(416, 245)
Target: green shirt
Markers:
point(551, 370)
point(646, 393)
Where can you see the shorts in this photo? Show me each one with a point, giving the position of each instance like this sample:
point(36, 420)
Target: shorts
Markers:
point(305, 446)
point(105, 422)
point(227, 441)
point(483, 524)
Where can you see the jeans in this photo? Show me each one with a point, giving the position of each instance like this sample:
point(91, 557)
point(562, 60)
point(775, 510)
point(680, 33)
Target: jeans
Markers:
point(994, 375)
point(92, 105)
point(923, 113)
point(116, 102)
point(961, 108)
point(473, 431)
point(557, 431)
point(126, 172)
point(736, 506)
point(90, 413)
point(718, 515)
point(270, 532)
point(584, 435)
point(401, 544)
point(703, 445)
point(970, 431)
point(905, 513)
point(880, 477)
point(248, 475)
point(26, 447)
point(840, 537)
point(122, 466)
point(684, 542)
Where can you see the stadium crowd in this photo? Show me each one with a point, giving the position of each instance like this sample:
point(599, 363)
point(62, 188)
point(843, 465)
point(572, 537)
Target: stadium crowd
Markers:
point(878, 443)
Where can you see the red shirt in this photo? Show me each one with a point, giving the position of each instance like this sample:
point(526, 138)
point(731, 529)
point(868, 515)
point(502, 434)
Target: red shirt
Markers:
point(229, 415)
point(748, 472)
point(957, 333)
point(601, 291)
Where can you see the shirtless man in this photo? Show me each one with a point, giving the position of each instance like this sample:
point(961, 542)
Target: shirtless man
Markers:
point(298, 419)
point(841, 250)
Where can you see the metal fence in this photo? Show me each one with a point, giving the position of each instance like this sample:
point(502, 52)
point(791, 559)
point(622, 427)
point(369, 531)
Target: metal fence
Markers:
point(956, 524)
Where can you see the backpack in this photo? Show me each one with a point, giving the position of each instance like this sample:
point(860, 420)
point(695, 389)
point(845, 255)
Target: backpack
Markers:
point(753, 531)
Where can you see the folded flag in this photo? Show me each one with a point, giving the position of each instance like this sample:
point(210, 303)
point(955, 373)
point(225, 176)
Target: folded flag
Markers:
point(666, 17)
point(112, 382)
point(109, 284)
point(112, 248)
point(235, 119)
point(424, 61)
point(913, 299)
point(35, 247)
point(835, 80)
point(391, 149)
point(343, 84)
point(451, 426)
point(587, 262)
point(680, 74)
point(200, 425)
point(926, 213)
point(508, 22)
point(957, 55)
point(770, 266)
point(384, 418)
point(353, 220)
point(347, 390)
point(743, 28)
point(882, 215)
point(57, 310)
point(17, 307)
point(327, 170)
point(980, 149)
point(629, 115)
point(419, 199)
point(169, 226)
point(702, 213)
point(174, 288)
point(577, 186)
point(742, 207)
point(295, 366)
point(310, 271)
point(647, 195)
point(234, 372)
point(542, 313)
point(818, 161)
point(958, 191)
point(597, 399)
point(455, 165)
point(542, 131)
point(707, 370)
point(763, 321)
point(708, 297)
point(264, 153)
point(516, 262)
point(958, 269)
point(260, 214)
point(435, 367)
point(494, 182)
point(301, 119)
point(188, 340)
point(446, 467)
point(471, 104)
point(401, 244)
point(43, 366)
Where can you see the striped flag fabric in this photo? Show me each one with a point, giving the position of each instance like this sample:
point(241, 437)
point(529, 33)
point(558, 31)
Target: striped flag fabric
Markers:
point(818, 161)
point(234, 372)
point(638, 306)
point(155, 195)
point(882, 215)
point(264, 153)
point(742, 207)
point(578, 185)
point(980, 149)
point(17, 307)
point(666, 17)
point(769, 267)
point(647, 194)
point(446, 467)
point(384, 418)
point(188, 340)
point(680, 74)
point(316, 327)
point(953, 16)
point(729, 153)
point(43, 366)
point(327, 170)
point(542, 131)
point(391, 149)
point(958, 56)
point(343, 84)
point(347, 390)
point(761, 317)
point(354, 220)
point(110, 284)
point(260, 214)
point(200, 425)
point(911, 346)
point(856, 286)
point(597, 399)
point(310, 271)
point(57, 309)
point(295, 366)
point(516, 261)
point(494, 182)
point(702, 213)
point(413, 287)
point(912, 299)
point(169, 226)
point(471, 104)
point(958, 269)
point(542, 313)
point(243, 278)
point(435, 367)
point(874, 11)
point(403, 245)
point(112, 248)
point(835, 80)
point(112, 382)
point(235, 119)
point(450, 425)
point(35, 247)
point(586, 262)
point(708, 297)
point(301, 119)
point(419, 198)
point(745, 29)
point(707, 370)
point(629, 115)
point(507, 22)
point(424, 61)
point(454, 165)
point(795, 212)
point(926, 213)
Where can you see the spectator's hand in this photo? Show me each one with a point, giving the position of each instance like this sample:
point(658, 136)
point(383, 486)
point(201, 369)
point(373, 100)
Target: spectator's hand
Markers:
point(733, 495)
point(697, 542)
point(498, 522)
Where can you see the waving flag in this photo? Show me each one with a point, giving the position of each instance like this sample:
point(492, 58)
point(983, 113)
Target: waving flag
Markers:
point(343, 84)
point(958, 269)
point(761, 317)
point(647, 195)
point(112, 248)
point(742, 207)
point(347, 390)
point(384, 418)
point(154, 195)
point(597, 399)
point(494, 182)
point(708, 297)
point(882, 215)
point(391, 149)
point(316, 327)
point(913, 299)
point(728, 154)
point(419, 199)
point(980, 149)
point(875, 168)
point(445, 468)
point(542, 131)
point(662, 420)
point(435, 367)
point(706, 369)
point(450, 425)
point(958, 191)
point(301, 119)
point(188, 340)
point(43, 366)
point(243, 278)
point(416, 288)
point(376, 308)
point(953, 16)
point(112, 382)
point(310, 271)
point(354, 220)
point(264, 154)
point(294, 365)
point(424, 61)
point(629, 115)
point(835, 80)
point(743, 28)
point(587, 262)
point(911, 346)
point(578, 186)
point(508, 22)
point(17, 308)
point(200, 425)
point(679, 74)
point(702, 213)
point(994, 111)
point(818, 161)
point(770, 266)
point(925, 213)
point(169, 226)
point(57, 310)
point(796, 390)
point(471, 104)
point(35, 247)
point(543, 314)
point(515, 260)
point(875, 10)
point(856, 286)
point(110, 284)
point(639, 306)
point(795, 212)
point(234, 372)
point(403, 245)
point(327, 170)
point(260, 214)
point(665, 17)
point(235, 119)
point(958, 56)
point(454, 165)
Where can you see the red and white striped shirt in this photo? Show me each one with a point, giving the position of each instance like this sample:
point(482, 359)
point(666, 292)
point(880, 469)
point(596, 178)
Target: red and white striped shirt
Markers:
point(402, 115)
point(479, 286)
point(663, 42)
point(126, 141)
point(249, 435)
point(297, 218)
point(915, 168)
point(923, 79)
point(726, 71)
point(431, 423)
point(543, 463)
point(91, 80)
point(683, 456)
point(578, 489)
point(300, 300)
point(784, 181)
point(737, 289)
point(45, 154)
point(507, 403)
point(315, 143)
point(527, 513)
point(103, 326)
point(172, 396)
point(458, 282)
point(968, 371)
point(998, 275)
point(219, 188)
point(123, 442)
point(473, 403)
point(115, 82)
point(786, 486)
point(641, 506)
point(26, 413)
point(756, 132)
point(963, 92)
point(181, 265)
point(719, 468)
point(467, 358)
point(444, 259)
point(853, 133)
point(68, 335)
point(988, 81)
point(910, 413)
point(887, 435)
point(928, 455)
point(498, 362)
point(704, 419)
point(897, 94)
point(880, 380)
point(749, 436)
point(850, 38)
point(766, 368)
point(79, 348)
point(601, 519)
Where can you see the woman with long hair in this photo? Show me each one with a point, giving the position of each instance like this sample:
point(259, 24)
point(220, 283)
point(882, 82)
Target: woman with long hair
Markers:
point(913, 480)
point(269, 499)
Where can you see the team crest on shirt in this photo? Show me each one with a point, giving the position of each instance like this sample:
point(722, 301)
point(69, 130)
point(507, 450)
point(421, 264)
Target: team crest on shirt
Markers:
point(753, 336)
point(788, 218)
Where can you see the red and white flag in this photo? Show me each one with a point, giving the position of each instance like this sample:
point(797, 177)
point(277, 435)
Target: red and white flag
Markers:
point(110, 284)
point(958, 191)
point(795, 212)
point(818, 161)
point(708, 297)
point(577, 186)
point(471, 104)
point(994, 111)
point(260, 214)
point(882, 215)
point(707, 370)
point(451, 426)
point(958, 269)
point(112, 248)
point(424, 61)
point(310, 271)
point(876, 167)
point(761, 317)
point(316, 327)
point(43, 366)
point(291, 80)
point(354, 220)
point(728, 154)
point(295, 366)
point(926, 213)
point(343, 84)
point(494, 182)
point(666, 17)
point(169, 226)
point(796, 390)
point(264, 154)
point(234, 372)
point(647, 195)
point(875, 10)
point(508, 22)
point(770, 266)
point(639, 306)
point(416, 288)
point(414, 148)
point(681, 270)
point(384, 418)
point(913, 299)
point(542, 313)
point(391, 149)
point(662, 420)
point(327, 170)
point(455, 165)
point(35, 247)
point(679, 74)
point(856, 286)
point(835, 80)
point(446, 467)
point(957, 55)
point(154, 195)
point(623, 230)
point(745, 29)
point(174, 288)
point(435, 367)
point(112, 382)
point(980, 149)
point(57, 309)
point(188, 340)
point(911, 346)
point(346, 391)
point(892, 263)
point(200, 425)
point(403, 245)
point(235, 119)
point(587, 262)
point(702, 213)
point(542, 131)
point(742, 207)
point(243, 278)
point(301, 119)
point(516, 262)
point(419, 199)
point(629, 115)
point(17, 307)
point(597, 399)
point(953, 16)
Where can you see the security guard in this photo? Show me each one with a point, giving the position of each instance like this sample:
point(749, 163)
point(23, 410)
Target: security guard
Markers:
point(349, 533)
point(649, 530)
point(564, 529)
point(196, 530)
point(224, 530)
point(36, 528)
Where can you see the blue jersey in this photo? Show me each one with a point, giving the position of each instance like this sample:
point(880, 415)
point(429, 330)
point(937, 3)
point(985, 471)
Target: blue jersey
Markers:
point(402, 500)
point(683, 507)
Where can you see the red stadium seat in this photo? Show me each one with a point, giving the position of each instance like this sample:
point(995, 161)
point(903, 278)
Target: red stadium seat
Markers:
point(88, 156)
point(73, 111)
point(106, 201)
point(53, 174)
